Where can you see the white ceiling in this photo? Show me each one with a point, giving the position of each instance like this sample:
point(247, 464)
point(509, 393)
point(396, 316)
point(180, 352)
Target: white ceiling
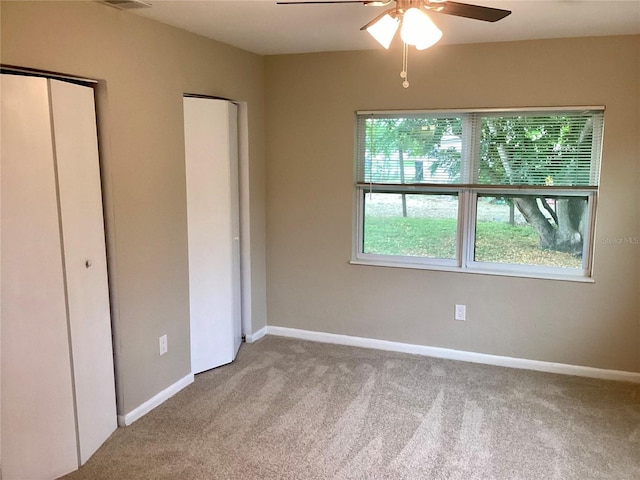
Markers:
point(262, 27)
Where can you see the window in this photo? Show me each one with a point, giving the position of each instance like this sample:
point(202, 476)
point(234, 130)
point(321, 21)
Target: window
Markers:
point(506, 192)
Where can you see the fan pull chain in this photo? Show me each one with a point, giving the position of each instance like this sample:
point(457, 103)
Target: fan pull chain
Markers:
point(405, 61)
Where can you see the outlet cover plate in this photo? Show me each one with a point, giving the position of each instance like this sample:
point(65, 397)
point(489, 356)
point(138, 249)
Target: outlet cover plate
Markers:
point(164, 346)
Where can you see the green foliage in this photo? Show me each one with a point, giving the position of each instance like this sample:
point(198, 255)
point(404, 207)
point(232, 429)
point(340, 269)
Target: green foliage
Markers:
point(393, 144)
point(514, 149)
point(518, 244)
point(535, 150)
point(408, 236)
point(436, 238)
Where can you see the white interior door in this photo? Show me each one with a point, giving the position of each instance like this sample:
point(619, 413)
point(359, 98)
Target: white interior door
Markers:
point(38, 424)
point(76, 146)
point(211, 152)
point(58, 392)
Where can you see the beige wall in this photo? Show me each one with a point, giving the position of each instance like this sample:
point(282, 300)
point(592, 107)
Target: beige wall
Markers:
point(310, 104)
point(144, 68)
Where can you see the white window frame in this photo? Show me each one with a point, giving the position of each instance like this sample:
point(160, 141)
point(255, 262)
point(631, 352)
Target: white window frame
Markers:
point(466, 222)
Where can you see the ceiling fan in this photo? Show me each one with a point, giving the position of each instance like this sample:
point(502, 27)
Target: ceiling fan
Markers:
point(410, 16)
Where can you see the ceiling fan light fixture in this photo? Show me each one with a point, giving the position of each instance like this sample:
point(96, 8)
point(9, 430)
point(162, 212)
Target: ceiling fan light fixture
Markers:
point(384, 30)
point(410, 16)
point(418, 29)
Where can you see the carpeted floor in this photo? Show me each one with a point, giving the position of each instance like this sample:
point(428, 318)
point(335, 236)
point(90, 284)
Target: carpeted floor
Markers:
point(290, 409)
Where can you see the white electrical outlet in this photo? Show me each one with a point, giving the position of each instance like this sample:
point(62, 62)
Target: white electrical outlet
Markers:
point(164, 345)
point(461, 312)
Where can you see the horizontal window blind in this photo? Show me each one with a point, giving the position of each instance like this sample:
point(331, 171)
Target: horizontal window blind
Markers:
point(538, 148)
point(516, 148)
point(407, 149)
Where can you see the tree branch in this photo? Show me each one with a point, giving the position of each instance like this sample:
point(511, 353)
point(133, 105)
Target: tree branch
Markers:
point(549, 209)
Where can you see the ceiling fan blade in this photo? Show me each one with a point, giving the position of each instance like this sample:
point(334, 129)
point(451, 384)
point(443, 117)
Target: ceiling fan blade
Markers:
point(466, 10)
point(386, 12)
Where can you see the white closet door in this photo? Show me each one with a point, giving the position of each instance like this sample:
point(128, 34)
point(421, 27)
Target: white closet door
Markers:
point(234, 192)
point(211, 151)
point(74, 124)
point(58, 398)
point(38, 424)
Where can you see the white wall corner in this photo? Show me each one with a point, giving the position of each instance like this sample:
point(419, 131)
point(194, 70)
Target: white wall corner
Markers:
point(461, 355)
point(153, 402)
point(254, 337)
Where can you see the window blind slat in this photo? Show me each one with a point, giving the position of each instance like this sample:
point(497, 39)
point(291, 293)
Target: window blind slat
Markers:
point(409, 149)
point(555, 148)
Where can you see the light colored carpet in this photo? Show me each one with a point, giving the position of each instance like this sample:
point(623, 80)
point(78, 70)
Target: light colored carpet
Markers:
point(290, 409)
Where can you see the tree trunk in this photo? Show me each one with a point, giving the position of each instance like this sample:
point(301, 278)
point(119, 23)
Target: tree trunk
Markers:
point(571, 212)
point(401, 161)
point(562, 232)
point(528, 206)
point(512, 213)
point(566, 236)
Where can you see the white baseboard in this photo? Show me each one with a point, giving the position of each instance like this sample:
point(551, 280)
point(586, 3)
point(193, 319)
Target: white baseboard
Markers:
point(254, 337)
point(450, 354)
point(153, 402)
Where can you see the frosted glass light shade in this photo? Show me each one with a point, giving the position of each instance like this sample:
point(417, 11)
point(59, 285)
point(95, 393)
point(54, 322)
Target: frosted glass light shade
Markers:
point(384, 30)
point(418, 29)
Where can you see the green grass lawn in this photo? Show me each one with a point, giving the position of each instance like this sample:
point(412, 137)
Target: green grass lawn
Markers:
point(410, 236)
point(495, 241)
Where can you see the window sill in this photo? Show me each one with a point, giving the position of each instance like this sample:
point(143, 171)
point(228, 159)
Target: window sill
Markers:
point(476, 271)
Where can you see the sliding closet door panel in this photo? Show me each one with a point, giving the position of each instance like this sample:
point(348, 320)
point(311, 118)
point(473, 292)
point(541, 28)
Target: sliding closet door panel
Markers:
point(213, 232)
point(38, 425)
point(234, 192)
point(74, 124)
